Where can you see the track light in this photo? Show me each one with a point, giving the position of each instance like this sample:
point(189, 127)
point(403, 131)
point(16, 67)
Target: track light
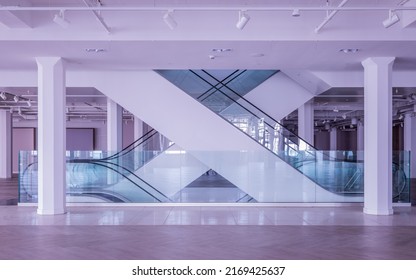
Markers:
point(16, 98)
point(19, 111)
point(243, 19)
point(169, 20)
point(60, 19)
point(29, 103)
point(11, 110)
point(3, 95)
point(392, 19)
point(296, 13)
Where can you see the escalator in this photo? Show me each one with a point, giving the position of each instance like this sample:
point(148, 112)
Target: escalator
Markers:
point(103, 178)
point(338, 175)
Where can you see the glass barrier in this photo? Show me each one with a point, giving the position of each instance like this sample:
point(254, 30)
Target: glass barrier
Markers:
point(175, 175)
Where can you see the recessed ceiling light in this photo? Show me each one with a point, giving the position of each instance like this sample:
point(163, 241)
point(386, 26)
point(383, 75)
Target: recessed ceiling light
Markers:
point(95, 50)
point(349, 50)
point(257, 54)
point(220, 50)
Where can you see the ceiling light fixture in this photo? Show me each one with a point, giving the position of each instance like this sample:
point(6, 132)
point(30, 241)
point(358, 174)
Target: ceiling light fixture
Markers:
point(243, 19)
point(3, 95)
point(60, 19)
point(16, 98)
point(296, 13)
point(391, 20)
point(348, 50)
point(169, 20)
point(220, 50)
point(95, 50)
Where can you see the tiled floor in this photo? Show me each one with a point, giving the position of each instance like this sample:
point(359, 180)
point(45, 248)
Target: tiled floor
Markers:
point(203, 232)
point(207, 232)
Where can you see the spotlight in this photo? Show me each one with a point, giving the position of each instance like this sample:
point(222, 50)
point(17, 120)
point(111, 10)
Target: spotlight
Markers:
point(3, 95)
point(401, 117)
point(29, 103)
point(295, 13)
point(344, 116)
point(60, 19)
point(169, 20)
point(393, 18)
point(19, 111)
point(16, 98)
point(11, 110)
point(243, 19)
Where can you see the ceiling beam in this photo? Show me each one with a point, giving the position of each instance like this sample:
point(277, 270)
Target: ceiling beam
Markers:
point(15, 19)
point(409, 17)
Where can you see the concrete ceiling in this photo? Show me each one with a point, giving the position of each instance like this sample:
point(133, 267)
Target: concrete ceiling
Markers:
point(139, 39)
point(270, 40)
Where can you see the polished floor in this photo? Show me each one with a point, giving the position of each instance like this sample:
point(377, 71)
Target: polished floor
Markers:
point(203, 232)
point(207, 232)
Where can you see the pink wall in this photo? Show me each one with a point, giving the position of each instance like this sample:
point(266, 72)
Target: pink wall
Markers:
point(80, 139)
point(23, 140)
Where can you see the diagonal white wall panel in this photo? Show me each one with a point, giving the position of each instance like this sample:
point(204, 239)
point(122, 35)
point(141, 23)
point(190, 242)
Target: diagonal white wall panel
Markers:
point(279, 95)
point(213, 141)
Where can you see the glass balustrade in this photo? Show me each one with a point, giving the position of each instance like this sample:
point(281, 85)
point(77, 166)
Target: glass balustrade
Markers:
point(233, 176)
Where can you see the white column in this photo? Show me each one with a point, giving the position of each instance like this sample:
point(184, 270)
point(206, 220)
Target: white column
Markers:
point(407, 132)
point(413, 149)
point(51, 136)
point(378, 136)
point(138, 128)
point(305, 122)
point(114, 126)
point(138, 133)
point(5, 144)
point(114, 136)
point(333, 139)
point(360, 140)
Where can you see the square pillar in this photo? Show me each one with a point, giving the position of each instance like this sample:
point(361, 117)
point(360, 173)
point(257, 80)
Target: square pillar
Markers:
point(114, 126)
point(51, 136)
point(138, 133)
point(114, 137)
point(306, 122)
point(333, 138)
point(378, 135)
point(5, 144)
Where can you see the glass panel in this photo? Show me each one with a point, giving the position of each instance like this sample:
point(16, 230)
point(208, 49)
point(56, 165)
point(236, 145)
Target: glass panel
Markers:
point(175, 175)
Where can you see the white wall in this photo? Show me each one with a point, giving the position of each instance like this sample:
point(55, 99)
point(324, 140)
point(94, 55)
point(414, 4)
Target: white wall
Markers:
point(278, 96)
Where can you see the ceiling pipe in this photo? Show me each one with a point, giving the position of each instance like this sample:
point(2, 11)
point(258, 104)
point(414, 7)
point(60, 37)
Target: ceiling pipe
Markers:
point(330, 16)
point(236, 8)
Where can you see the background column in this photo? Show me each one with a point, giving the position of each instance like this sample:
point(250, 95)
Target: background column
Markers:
point(138, 133)
point(51, 136)
point(333, 139)
point(360, 140)
point(306, 122)
point(114, 137)
point(5, 144)
point(114, 126)
point(378, 136)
